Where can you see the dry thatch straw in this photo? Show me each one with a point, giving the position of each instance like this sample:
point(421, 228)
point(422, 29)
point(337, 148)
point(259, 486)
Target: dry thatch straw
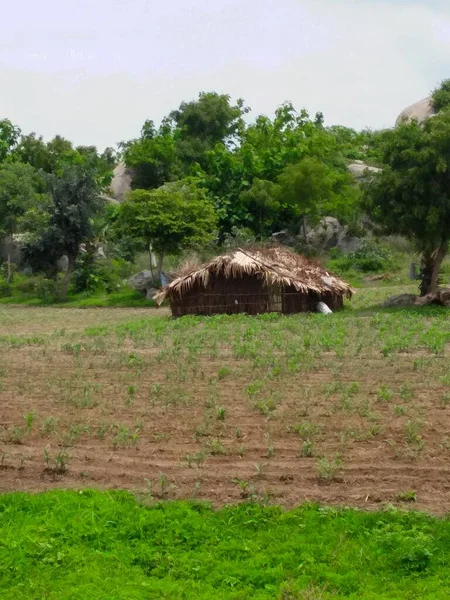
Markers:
point(235, 277)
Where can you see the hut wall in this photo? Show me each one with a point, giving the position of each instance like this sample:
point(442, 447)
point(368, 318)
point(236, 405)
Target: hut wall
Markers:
point(246, 294)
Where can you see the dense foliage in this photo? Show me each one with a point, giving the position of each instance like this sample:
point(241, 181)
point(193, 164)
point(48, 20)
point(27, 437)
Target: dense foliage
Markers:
point(411, 196)
point(209, 173)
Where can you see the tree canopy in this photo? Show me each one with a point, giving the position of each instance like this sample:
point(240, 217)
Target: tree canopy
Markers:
point(411, 196)
point(170, 219)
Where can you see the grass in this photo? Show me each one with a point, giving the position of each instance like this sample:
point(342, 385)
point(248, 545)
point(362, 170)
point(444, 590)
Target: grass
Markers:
point(77, 545)
point(123, 299)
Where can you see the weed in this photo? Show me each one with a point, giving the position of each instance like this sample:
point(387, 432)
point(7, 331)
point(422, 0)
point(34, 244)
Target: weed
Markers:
point(306, 450)
point(328, 469)
point(384, 394)
point(405, 393)
point(413, 437)
point(49, 426)
point(163, 484)
point(223, 372)
point(198, 458)
point(305, 430)
point(216, 448)
point(29, 419)
point(445, 399)
point(407, 497)
point(221, 413)
point(102, 430)
point(57, 464)
point(266, 407)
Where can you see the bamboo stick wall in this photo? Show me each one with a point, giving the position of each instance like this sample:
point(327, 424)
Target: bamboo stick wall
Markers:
point(247, 294)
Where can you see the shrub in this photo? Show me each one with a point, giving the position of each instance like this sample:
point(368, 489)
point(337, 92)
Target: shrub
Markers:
point(92, 275)
point(370, 257)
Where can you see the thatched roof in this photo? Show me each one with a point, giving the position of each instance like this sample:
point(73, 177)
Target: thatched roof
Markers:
point(275, 265)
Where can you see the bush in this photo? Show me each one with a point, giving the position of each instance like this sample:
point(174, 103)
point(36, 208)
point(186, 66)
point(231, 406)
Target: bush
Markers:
point(36, 285)
point(92, 275)
point(5, 289)
point(369, 258)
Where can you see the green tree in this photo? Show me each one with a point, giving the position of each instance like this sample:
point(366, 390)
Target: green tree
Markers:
point(153, 156)
point(23, 206)
point(304, 188)
point(440, 97)
point(263, 204)
point(411, 196)
point(75, 202)
point(9, 135)
point(170, 219)
point(32, 150)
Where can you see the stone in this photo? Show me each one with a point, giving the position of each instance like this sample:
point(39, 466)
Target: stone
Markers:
point(280, 236)
point(421, 111)
point(400, 300)
point(151, 292)
point(326, 234)
point(62, 264)
point(121, 182)
point(347, 242)
point(360, 170)
point(142, 281)
point(145, 282)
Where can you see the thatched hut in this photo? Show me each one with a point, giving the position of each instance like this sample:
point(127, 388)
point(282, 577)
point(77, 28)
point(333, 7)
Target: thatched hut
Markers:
point(255, 281)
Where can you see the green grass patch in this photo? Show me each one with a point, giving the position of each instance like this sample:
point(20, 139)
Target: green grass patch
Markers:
point(126, 298)
point(108, 546)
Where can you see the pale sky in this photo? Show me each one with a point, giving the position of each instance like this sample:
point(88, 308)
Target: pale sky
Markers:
point(94, 70)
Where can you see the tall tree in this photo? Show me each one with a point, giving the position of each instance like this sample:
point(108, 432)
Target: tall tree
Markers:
point(411, 196)
point(152, 156)
point(263, 203)
point(22, 204)
point(170, 219)
point(304, 188)
point(74, 203)
point(9, 135)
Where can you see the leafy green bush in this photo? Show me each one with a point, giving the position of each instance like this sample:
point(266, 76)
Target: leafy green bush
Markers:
point(36, 285)
point(92, 275)
point(409, 548)
point(440, 97)
point(5, 289)
point(369, 258)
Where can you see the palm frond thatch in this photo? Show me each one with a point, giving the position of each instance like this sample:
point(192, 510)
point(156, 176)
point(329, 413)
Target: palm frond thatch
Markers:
point(273, 265)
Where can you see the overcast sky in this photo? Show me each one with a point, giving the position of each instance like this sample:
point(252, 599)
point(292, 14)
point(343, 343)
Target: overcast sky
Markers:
point(94, 70)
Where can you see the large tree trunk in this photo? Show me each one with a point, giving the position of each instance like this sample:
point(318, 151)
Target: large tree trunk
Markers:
point(150, 256)
point(430, 268)
point(66, 279)
point(160, 267)
point(9, 248)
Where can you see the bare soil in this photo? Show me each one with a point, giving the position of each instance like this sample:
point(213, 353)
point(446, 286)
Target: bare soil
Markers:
point(116, 414)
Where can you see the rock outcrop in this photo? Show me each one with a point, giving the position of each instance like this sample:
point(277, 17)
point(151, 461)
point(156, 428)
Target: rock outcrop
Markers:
point(421, 111)
point(328, 234)
point(145, 282)
point(121, 182)
point(331, 234)
point(360, 170)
